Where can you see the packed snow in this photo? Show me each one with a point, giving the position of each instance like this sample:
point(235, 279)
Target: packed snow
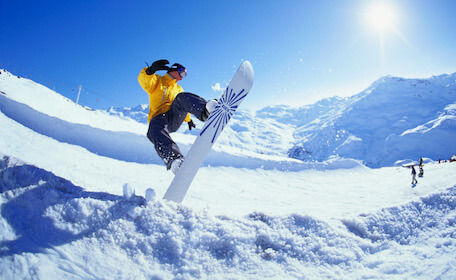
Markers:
point(268, 203)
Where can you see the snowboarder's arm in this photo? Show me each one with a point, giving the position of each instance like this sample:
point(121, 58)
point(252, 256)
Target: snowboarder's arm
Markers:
point(147, 82)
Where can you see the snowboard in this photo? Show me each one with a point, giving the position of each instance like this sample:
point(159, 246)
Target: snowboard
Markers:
point(228, 102)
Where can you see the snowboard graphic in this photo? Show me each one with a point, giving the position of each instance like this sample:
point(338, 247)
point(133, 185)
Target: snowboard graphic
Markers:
point(228, 103)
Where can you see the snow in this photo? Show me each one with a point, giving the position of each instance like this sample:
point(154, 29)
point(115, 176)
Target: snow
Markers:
point(73, 184)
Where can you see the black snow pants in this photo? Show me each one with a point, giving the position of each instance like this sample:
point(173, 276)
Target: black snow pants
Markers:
point(162, 125)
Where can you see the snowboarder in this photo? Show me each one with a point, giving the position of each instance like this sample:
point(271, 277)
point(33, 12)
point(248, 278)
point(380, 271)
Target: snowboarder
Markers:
point(169, 107)
point(414, 181)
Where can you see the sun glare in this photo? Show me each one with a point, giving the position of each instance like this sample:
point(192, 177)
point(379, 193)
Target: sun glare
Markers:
point(381, 16)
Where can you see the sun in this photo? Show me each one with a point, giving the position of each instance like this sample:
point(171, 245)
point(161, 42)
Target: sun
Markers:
point(381, 16)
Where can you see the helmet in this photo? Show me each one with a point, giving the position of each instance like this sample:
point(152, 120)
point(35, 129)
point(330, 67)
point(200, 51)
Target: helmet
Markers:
point(179, 68)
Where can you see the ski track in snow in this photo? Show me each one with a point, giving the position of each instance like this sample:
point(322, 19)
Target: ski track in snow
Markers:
point(246, 216)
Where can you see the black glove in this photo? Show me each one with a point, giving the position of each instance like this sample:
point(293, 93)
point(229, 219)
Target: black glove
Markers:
point(191, 125)
point(157, 65)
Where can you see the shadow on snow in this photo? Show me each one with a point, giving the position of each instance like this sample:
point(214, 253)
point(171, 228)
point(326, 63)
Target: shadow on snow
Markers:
point(33, 191)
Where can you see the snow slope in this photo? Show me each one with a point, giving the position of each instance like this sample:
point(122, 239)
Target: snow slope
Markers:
point(247, 215)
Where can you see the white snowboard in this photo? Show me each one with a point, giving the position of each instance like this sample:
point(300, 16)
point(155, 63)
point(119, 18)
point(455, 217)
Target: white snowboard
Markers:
point(228, 103)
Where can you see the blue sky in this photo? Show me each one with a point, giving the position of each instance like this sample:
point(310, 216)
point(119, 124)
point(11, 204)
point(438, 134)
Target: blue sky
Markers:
point(301, 51)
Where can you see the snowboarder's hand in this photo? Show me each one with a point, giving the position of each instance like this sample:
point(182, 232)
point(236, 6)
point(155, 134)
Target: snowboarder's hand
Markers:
point(157, 65)
point(191, 125)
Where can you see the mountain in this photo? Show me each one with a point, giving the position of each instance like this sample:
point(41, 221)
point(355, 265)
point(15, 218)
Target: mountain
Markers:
point(392, 121)
point(138, 113)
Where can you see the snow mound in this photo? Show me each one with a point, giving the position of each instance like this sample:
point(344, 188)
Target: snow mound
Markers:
point(44, 213)
point(49, 102)
point(411, 223)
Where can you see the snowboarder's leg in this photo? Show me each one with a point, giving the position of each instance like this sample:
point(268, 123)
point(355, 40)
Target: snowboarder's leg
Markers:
point(184, 103)
point(162, 125)
point(158, 134)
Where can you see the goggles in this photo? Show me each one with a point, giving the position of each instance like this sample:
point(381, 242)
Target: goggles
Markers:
point(182, 72)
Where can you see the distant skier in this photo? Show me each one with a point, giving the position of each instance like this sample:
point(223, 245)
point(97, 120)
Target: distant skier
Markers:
point(414, 181)
point(421, 174)
point(169, 107)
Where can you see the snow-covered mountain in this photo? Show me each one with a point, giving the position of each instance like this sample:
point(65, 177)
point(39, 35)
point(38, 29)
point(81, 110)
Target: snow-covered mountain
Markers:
point(138, 113)
point(251, 212)
point(393, 120)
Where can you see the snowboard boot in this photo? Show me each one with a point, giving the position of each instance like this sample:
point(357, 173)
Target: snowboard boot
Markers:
point(176, 164)
point(210, 107)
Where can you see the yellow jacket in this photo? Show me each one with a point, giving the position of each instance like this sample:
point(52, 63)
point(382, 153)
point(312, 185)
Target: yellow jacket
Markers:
point(162, 91)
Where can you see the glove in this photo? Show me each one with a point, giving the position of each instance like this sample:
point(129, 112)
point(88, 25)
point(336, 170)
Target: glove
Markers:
point(157, 65)
point(191, 125)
